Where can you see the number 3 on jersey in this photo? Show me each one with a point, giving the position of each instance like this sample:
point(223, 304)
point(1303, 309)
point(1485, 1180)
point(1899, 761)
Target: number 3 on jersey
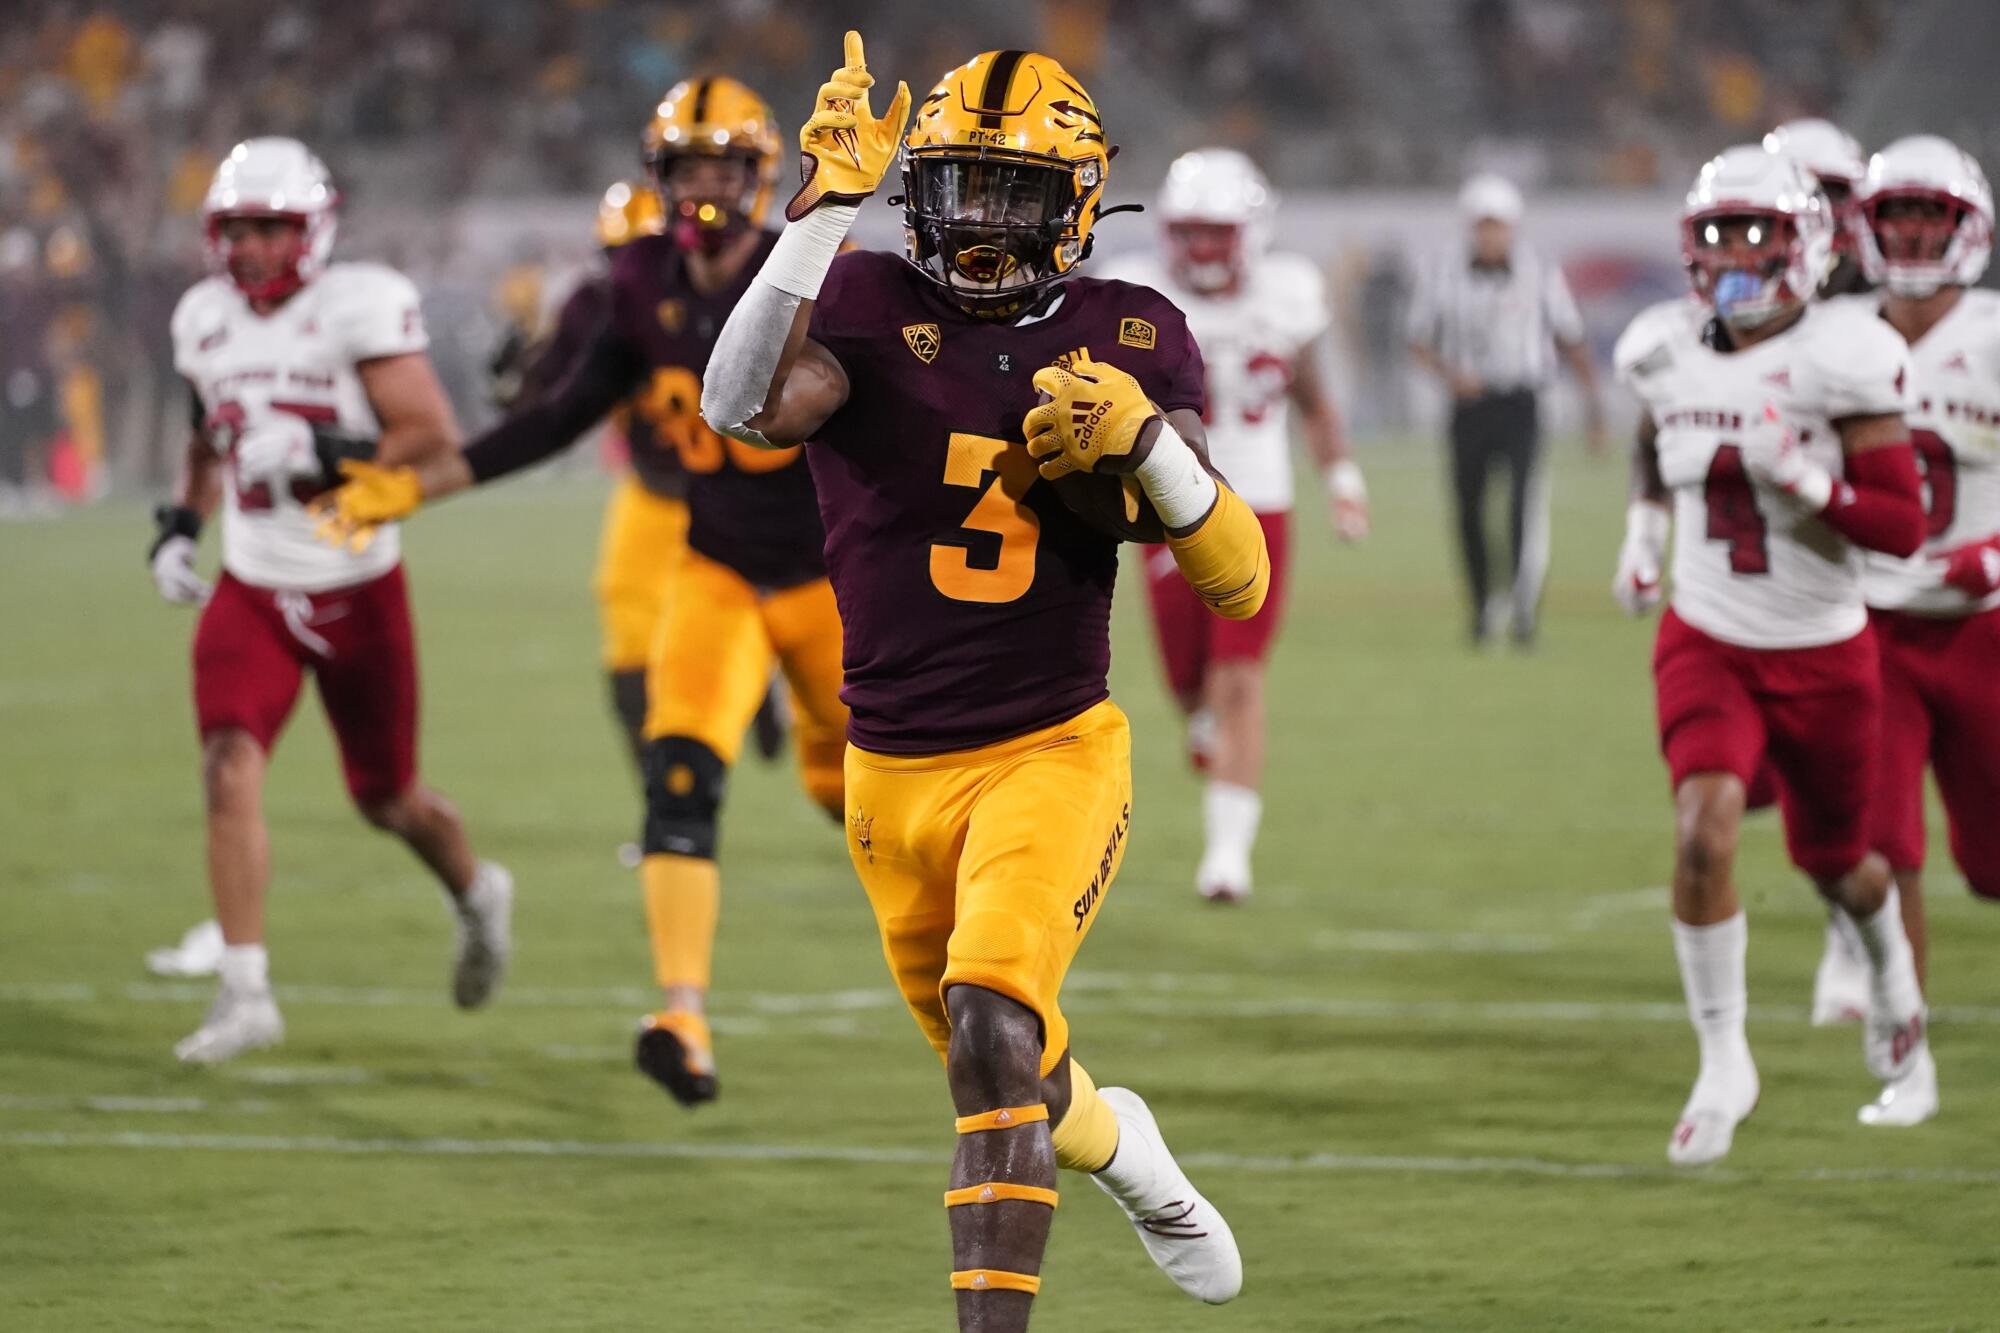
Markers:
point(1733, 516)
point(1001, 471)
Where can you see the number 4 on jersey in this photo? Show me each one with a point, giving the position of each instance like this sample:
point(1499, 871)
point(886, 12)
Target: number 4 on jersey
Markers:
point(1733, 516)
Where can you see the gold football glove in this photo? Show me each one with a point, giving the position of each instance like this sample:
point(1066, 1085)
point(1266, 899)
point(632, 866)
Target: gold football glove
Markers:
point(1091, 421)
point(351, 514)
point(845, 150)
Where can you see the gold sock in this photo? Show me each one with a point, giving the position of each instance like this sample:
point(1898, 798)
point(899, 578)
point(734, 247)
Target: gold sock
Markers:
point(1088, 1134)
point(683, 898)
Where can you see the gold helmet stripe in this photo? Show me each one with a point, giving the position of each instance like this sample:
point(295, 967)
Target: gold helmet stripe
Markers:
point(993, 96)
point(701, 91)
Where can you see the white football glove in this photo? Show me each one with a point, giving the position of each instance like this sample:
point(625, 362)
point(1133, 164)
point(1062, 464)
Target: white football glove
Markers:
point(173, 572)
point(1772, 455)
point(277, 450)
point(1348, 493)
point(171, 557)
point(1637, 584)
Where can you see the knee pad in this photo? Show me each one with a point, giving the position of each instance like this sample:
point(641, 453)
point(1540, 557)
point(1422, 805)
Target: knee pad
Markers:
point(684, 784)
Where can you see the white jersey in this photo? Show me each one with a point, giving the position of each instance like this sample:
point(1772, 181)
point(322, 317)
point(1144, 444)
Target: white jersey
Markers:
point(1954, 419)
point(299, 359)
point(1251, 341)
point(1749, 567)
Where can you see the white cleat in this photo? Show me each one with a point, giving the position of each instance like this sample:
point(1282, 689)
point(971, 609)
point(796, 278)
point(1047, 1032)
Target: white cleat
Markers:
point(1719, 1103)
point(1909, 1100)
point(1181, 1230)
point(1893, 1038)
point(1840, 986)
point(238, 1021)
point(485, 936)
point(1222, 879)
point(199, 954)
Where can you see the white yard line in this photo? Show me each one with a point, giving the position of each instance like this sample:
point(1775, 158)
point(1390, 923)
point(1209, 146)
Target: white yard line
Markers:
point(284, 1076)
point(878, 1156)
point(120, 1105)
point(1424, 941)
point(817, 1008)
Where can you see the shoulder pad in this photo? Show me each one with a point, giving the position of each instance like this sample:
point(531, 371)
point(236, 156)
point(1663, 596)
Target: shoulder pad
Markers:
point(1647, 345)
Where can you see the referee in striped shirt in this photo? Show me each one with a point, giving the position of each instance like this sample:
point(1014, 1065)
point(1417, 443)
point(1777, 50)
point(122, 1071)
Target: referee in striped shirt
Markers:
point(1490, 323)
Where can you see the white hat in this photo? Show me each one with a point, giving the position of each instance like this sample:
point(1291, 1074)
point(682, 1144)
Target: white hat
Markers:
point(1489, 196)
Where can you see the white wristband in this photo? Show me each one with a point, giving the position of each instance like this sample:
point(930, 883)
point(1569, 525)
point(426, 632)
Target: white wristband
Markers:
point(798, 263)
point(1180, 488)
point(1344, 482)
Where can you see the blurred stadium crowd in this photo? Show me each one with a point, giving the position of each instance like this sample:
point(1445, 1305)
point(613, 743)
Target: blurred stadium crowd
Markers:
point(114, 112)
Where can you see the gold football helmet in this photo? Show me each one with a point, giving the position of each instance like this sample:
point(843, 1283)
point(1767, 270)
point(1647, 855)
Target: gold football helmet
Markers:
point(712, 118)
point(1003, 178)
point(629, 210)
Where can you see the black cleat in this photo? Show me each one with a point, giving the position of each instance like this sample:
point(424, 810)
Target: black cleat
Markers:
point(674, 1061)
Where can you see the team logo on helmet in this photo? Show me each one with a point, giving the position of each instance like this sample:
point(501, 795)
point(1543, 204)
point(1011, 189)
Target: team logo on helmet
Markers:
point(1003, 180)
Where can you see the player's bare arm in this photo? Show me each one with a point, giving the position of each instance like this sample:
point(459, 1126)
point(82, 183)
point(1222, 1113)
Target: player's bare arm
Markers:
point(1326, 439)
point(1860, 434)
point(1648, 524)
point(808, 388)
point(409, 402)
point(425, 465)
point(177, 524)
point(199, 486)
point(1646, 481)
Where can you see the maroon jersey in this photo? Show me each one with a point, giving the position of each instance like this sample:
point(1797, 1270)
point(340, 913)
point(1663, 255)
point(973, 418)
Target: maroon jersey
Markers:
point(750, 509)
point(655, 461)
point(975, 606)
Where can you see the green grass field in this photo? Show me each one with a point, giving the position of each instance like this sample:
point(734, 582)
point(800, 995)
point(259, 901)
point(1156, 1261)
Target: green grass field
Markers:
point(1429, 1072)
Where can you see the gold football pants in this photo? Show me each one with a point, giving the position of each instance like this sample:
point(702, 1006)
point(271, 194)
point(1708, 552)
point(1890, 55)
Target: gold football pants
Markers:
point(639, 551)
point(987, 867)
point(712, 659)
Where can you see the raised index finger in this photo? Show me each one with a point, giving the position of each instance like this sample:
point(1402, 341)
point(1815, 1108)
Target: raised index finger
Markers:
point(855, 58)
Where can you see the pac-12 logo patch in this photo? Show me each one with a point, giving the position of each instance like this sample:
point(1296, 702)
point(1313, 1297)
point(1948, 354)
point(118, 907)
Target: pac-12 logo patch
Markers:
point(923, 340)
point(1136, 333)
point(672, 315)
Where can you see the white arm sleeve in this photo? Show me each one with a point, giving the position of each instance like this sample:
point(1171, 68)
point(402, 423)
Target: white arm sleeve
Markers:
point(753, 338)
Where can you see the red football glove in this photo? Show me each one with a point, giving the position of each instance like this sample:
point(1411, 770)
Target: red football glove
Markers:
point(1975, 569)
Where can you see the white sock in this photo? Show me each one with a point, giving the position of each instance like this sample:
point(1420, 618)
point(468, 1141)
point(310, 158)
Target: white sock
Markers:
point(1230, 815)
point(474, 898)
point(1845, 934)
point(1889, 954)
point(245, 967)
point(1718, 998)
